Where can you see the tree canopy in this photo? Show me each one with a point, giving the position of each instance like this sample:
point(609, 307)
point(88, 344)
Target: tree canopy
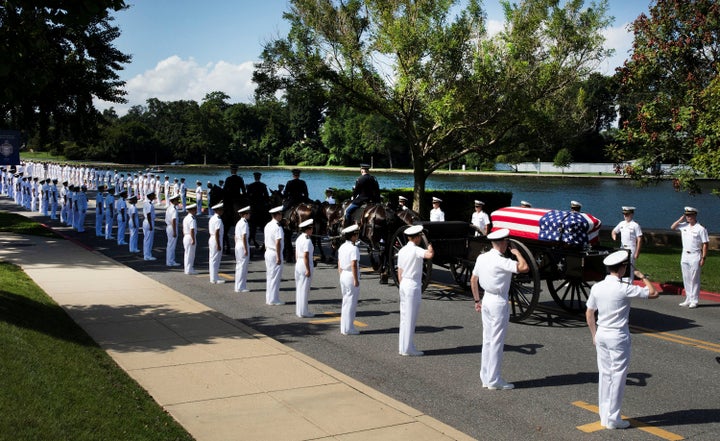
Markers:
point(430, 69)
point(57, 56)
point(669, 91)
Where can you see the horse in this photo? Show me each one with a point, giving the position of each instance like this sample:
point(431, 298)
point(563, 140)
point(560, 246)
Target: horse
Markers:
point(297, 214)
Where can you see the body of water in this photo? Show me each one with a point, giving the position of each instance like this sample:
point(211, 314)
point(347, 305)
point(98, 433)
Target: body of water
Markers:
point(658, 206)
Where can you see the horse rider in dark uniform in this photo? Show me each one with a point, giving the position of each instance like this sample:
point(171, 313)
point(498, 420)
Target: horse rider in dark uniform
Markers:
point(366, 189)
point(233, 195)
point(295, 192)
point(259, 200)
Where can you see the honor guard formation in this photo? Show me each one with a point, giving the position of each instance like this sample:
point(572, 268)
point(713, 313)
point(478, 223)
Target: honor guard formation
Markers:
point(129, 201)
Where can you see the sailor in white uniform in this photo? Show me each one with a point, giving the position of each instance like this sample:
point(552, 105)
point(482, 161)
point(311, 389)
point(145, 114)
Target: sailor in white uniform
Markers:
point(171, 230)
point(436, 214)
point(630, 234)
point(694, 251)
point(133, 224)
point(242, 249)
point(215, 243)
point(493, 273)
point(349, 271)
point(122, 217)
point(149, 226)
point(190, 240)
point(610, 298)
point(410, 271)
point(303, 269)
point(109, 210)
point(81, 205)
point(480, 219)
point(274, 242)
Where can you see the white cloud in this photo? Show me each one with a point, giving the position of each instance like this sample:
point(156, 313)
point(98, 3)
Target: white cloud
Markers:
point(176, 79)
point(619, 38)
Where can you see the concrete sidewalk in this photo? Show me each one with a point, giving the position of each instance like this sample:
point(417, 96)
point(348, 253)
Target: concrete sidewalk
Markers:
point(218, 378)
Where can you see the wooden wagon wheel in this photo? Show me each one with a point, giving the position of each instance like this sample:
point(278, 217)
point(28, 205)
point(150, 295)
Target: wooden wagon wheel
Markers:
point(461, 269)
point(524, 288)
point(398, 240)
point(569, 293)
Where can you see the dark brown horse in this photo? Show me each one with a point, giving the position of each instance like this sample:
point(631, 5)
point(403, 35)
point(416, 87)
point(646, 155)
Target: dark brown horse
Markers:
point(298, 214)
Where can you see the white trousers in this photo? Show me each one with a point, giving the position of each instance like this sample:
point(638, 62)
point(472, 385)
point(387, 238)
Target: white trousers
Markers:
point(302, 288)
point(148, 239)
point(122, 226)
point(99, 218)
point(133, 242)
point(215, 258)
point(80, 221)
point(410, 296)
point(171, 245)
point(189, 254)
point(274, 274)
point(108, 225)
point(690, 264)
point(613, 360)
point(495, 318)
point(350, 294)
point(241, 266)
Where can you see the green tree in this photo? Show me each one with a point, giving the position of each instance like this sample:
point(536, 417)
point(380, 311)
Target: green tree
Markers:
point(563, 159)
point(57, 57)
point(665, 89)
point(429, 68)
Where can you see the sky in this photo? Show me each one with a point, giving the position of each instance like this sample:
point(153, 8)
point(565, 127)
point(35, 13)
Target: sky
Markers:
point(184, 49)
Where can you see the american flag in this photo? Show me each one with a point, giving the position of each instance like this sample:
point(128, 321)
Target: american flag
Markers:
point(568, 227)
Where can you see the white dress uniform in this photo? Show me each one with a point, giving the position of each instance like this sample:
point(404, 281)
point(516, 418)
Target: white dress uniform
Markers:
point(481, 220)
point(611, 298)
point(63, 204)
point(183, 196)
point(171, 230)
point(437, 215)
point(272, 232)
point(109, 207)
point(215, 225)
point(81, 205)
point(242, 254)
point(693, 238)
point(494, 272)
point(121, 221)
point(148, 229)
point(410, 261)
point(199, 198)
point(348, 255)
point(189, 224)
point(134, 227)
point(99, 213)
point(303, 245)
point(45, 201)
point(629, 233)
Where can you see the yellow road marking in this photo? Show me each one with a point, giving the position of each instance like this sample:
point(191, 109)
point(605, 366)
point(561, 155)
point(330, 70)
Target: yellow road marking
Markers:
point(667, 336)
point(334, 317)
point(594, 427)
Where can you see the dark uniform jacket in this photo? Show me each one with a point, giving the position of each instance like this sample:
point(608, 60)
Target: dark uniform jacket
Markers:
point(366, 189)
point(296, 191)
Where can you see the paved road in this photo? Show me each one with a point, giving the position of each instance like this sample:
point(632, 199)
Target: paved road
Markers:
point(673, 385)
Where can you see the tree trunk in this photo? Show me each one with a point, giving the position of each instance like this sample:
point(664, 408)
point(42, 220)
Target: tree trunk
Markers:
point(419, 177)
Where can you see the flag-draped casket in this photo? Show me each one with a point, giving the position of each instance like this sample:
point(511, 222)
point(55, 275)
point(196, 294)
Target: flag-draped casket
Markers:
point(569, 228)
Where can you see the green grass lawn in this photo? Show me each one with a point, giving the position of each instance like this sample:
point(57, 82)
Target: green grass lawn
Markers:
point(15, 223)
point(57, 384)
point(662, 264)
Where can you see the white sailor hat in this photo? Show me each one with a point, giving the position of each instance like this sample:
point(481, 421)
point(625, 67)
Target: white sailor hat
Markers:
point(616, 258)
point(438, 200)
point(351, 229)
point(175, 198)
point(402, 198)
point(244, 209)
point(306, 223)
point(277, 209)
point(477, 202)
point(219, 206)
point(191, 207)
point(575, 204)
point(499, 234)
point(626, 209)
point(414, 230)
point(691, 210)
point(525, 204)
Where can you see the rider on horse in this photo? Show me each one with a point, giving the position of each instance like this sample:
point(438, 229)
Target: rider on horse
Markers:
point(366, 189)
